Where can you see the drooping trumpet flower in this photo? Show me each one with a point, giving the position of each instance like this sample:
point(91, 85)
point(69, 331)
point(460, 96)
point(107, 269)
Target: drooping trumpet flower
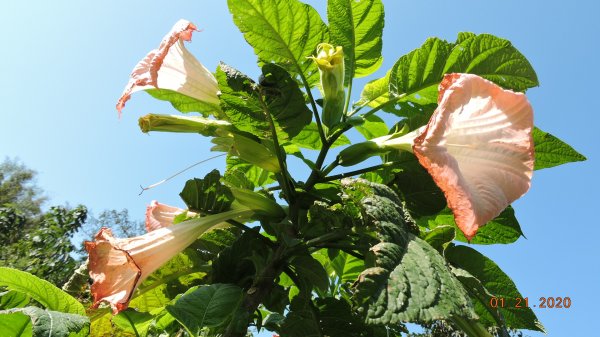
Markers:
point(171, 66)
point(477, 146)
point(117, 266)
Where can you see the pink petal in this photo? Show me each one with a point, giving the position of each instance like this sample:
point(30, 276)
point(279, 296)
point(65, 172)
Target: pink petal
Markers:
point(478, 148)
point(160, 215)
point(171, 66)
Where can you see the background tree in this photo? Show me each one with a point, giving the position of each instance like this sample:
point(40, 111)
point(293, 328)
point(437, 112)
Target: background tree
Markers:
point(35, 241)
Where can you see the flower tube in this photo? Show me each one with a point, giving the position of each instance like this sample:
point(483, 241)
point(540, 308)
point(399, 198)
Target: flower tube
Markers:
point(477, 147)
point(173, 67)
point(118, 266)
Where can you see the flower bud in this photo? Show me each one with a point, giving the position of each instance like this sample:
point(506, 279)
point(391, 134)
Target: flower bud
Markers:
point(358, 153)
point(176, 123)
point(330, 61)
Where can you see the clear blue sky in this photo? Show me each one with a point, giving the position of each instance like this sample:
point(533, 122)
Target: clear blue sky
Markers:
point(64, 64)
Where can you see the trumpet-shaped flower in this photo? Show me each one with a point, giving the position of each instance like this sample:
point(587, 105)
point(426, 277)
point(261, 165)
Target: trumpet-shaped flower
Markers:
point(161, 215)
point(173, 67)
point(477, 147)
point(118, 266)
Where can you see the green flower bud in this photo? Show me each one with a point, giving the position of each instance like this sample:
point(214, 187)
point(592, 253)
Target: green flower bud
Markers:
point(255, 153)
point(189, 124)
point(330, 61)
point(358, 153)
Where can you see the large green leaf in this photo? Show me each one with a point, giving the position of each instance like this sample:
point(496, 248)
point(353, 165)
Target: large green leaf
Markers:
point(50, 323)
point(15, 325)
point(407, 280)
point(40, 290)
point(493, 58)
point(497, 283)
point(258, 176)
point(282, 31)
point(551, 151)
point(357, 26)
point(372, 127)
point(418, 73)
point(309, 138)
point(134, 322)
point(206, 306)
point(504, 228)
point(415, 77)
point(207, 195)
point(185, 103)
point(253, 107)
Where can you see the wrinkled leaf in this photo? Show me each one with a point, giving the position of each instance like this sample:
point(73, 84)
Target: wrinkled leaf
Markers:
point(207, 195)
point(357, 26)
point(285, 32)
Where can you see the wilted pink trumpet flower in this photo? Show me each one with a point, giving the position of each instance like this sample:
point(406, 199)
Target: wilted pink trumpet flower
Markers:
point(173, 67)
point(118, 266)
point(477, 147)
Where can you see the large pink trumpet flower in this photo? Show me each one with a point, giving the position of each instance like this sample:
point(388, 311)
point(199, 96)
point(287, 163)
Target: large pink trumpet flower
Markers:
point(118, 266)
point(477, 147)
point(173, 67)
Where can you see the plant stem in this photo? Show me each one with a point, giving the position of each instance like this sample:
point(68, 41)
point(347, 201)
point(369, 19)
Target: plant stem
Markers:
point(314, 108)
point(285, 181)
point(356, 172)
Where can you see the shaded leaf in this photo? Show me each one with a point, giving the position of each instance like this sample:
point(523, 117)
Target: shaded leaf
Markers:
point(406, 280)
point(504, 228)
point(496, 282)
point(206, 306)
point(134, 322)
point(207, 195)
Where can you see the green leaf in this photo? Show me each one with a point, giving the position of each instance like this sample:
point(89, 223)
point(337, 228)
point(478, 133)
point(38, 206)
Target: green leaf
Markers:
point(337, 319)
point(53, 323)
point(551, 151)
point(258, 176)
point(134, 322)
point(206, 306)
point(184, 103)
point(406, 279)
point(347, 267)
point(42, 291)
point(308, 268)
point(357, 26)
point(493, 58)
point(496, 282)
point(309, 138)
point(250, 107)
point(13, 299)
point(285, 32)
point(503, 229)
point(439, 237)
point(481, 300)
point(301, 320)
point(15, 324)
point(418, 73)
point(416, 187)
point(373, 127)
point(376, 92)
point(207, 195)
point(415, 77)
